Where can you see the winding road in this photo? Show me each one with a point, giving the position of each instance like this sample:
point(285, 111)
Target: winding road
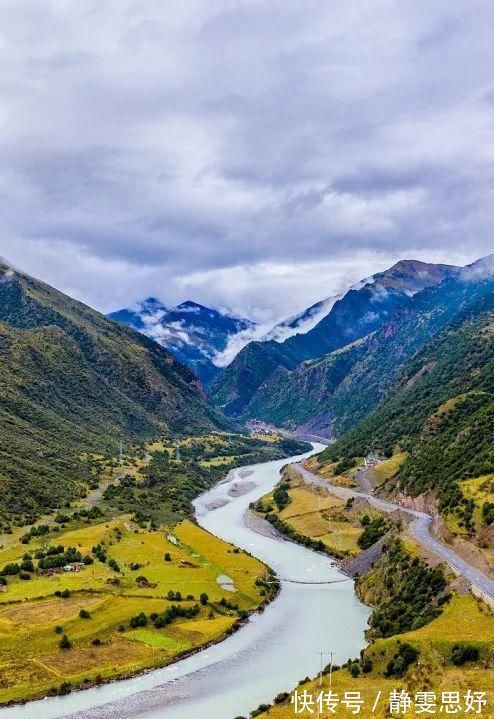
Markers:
point(420, 528)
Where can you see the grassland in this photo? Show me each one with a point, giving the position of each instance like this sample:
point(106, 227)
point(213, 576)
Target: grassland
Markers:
point(327, 471)
point(314, 513)
point(105, 645)
point(387, 469)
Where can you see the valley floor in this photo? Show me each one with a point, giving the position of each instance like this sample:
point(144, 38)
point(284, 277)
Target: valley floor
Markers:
point(99, 592)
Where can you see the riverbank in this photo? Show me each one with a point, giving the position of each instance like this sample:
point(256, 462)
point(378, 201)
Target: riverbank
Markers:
point(418, 606)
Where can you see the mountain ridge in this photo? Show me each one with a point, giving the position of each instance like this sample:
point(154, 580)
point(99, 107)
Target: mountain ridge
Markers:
point(359, 312)
point(74, 381)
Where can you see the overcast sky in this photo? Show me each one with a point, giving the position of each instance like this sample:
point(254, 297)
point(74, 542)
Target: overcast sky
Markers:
point(253, 154)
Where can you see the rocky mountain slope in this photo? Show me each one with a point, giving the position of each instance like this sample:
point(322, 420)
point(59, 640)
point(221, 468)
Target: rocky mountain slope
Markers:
point(73, 381)
point(195, 334)
point(259, 373)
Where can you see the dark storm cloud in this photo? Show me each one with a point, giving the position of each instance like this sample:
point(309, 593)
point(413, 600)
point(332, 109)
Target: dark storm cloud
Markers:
point(256, 154)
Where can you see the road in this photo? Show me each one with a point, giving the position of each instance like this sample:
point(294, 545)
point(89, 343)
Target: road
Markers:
point(420, 528)
point(95, 495)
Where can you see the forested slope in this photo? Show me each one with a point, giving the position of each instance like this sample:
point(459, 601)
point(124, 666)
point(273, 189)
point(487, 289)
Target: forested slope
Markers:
point(73, 381)
point(440, 410)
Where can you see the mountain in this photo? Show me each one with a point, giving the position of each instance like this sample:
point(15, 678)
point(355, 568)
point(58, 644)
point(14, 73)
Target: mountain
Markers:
point(335, 392)
point(243, 388)
point(439, 408)
point(302, 322)
point(74, 382)
point(195, 334)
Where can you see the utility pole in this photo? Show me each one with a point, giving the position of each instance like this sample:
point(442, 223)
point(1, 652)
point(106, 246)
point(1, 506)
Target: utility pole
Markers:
point(120, 453)
point(331, 669)
point(322, 654)
point(177, 450)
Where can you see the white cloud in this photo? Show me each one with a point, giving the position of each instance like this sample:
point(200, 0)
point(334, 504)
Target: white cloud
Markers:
point(258, 154)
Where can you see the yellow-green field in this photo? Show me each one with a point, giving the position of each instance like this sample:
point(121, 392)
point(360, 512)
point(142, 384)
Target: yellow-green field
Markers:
point(463, 620)
point(387, 469)
point(326, 471)
point(105, 645)
point(218, 461)
point(315, 513)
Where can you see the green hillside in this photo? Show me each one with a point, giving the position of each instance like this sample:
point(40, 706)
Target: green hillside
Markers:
point(440, 411)
point(290, 397)
point(73, 381)
point(335, 392)
point(239, 382)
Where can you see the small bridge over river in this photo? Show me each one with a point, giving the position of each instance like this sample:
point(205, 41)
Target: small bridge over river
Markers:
point(304, 581)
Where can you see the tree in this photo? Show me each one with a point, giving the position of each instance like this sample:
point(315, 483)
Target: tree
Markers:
point(65, 643)
point(204, 599)
point(84, 614)
point(113, 565)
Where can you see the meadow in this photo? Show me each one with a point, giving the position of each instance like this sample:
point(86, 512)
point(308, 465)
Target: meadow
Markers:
point(99, 609)
point(313, 512)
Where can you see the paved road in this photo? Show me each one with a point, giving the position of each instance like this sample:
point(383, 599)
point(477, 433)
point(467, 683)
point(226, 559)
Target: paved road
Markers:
point(420, 528)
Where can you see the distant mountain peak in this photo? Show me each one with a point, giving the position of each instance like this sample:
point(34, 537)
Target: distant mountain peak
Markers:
point(191, 306)
point(407, 276)
point(412, 276)
point(194, 333)
point(480, 269)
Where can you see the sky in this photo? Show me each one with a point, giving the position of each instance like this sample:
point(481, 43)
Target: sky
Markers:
point(251, 154)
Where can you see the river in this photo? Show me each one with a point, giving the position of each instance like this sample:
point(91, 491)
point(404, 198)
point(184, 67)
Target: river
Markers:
point(268, 655)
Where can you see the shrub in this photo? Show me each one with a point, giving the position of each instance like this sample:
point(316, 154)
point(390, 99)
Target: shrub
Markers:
point(404, 657)
point(280, 698)
point(366, 665)
point(374, 530)
point(65, 643)
point(462, 653)
point(260, 710)
point(84, 614)
point(281, 496)
point(11, 569)
point(138, 621)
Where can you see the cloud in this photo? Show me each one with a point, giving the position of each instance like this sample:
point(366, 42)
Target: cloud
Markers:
point(258, 154)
